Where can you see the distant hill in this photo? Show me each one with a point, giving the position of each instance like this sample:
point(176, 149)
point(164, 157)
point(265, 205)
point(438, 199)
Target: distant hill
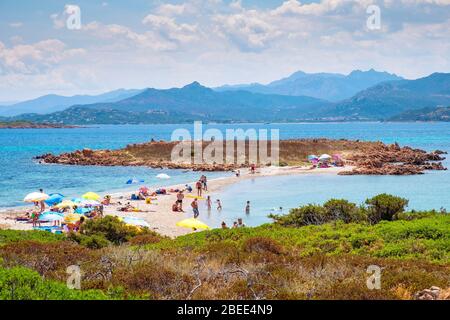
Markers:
point(51, 103)
point(327, 86)
point(425, 114)
point(389, 99)
point(192, 102)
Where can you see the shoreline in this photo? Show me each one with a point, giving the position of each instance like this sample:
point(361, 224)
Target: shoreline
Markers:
point(159, 214)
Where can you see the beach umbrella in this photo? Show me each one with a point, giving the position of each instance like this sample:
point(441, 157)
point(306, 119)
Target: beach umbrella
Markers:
point(90, 196)
point(36, 197)
point(137, 222)
point(50, 216)
point(192, 223)
point(71, 218)
point(325, 157)
point(134, 181)
point(65, 204)
point(163, 176)
point(54, 198)
point(312, 157)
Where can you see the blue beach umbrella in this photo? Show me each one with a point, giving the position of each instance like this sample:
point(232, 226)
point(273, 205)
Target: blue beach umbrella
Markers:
point(134, 180)
point(50, 216)
point(54, 199)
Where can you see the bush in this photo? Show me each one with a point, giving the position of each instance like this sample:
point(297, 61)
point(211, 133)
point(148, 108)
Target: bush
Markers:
point(144, 239)
point(262, 245)
point(112, 229)
point(8, 236)
point(20, 283)
point(94, 242)
point(303, 216)
point(385, 207)
point(344, 210)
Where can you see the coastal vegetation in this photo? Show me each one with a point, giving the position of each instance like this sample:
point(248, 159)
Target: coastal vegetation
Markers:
point(30, 125)
point(291, 258)
point(425, 114)
point(366, 157)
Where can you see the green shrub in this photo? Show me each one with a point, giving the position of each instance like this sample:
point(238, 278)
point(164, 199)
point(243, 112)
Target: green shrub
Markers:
point(340, 209)
point(94, 242)
point(111, 228)
point(385, 207)
point(8, 236)
point(20, 283)
point(303, 216)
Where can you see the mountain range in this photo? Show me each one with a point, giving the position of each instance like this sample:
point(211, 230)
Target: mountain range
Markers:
point(388, 99)
point(327, 86)
point(52, 102)
point(382, 101)
point(192, 102)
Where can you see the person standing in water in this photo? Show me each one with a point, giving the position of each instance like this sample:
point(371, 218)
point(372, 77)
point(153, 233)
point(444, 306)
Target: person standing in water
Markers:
point(199, 187)
point(208, 203)
point(247, 208)
point(194, 206)
point(219, 205)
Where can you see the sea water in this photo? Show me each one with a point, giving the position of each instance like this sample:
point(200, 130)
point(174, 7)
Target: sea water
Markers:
point(20, 174)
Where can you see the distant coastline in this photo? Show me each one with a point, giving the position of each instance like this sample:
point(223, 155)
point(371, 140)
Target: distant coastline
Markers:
point(33, 125)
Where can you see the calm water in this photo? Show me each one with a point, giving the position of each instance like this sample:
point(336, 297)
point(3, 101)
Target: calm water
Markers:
point(19, 175)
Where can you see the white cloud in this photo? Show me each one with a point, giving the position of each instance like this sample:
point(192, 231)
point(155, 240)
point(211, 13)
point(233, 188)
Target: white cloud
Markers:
point(167, 27)
point(33, 58)
point(16, 24)
point(217, 42)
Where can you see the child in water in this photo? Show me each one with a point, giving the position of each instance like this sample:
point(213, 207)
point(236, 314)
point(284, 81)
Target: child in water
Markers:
point(247, 207)
point(219, 205)
point(208, 202)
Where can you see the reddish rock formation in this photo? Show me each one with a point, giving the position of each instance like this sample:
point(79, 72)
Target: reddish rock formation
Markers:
point(381, 159)
point(367, 158)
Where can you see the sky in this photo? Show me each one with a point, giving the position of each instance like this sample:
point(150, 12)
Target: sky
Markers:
point(163, 44)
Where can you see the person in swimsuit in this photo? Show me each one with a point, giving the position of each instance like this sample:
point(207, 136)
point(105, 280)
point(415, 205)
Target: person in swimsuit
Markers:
point(180, 197)
point(194, 206)
point(199, 186)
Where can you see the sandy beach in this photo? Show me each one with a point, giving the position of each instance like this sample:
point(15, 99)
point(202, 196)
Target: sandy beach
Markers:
point(159, 213)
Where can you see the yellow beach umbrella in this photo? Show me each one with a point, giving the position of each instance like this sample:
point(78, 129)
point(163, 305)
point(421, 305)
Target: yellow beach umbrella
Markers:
point(91, 196)
point(71, 218)
point(66, 204)
point(192, 223)
point(36, 197)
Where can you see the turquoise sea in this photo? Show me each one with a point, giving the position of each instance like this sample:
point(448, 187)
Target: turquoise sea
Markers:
point(19, 174)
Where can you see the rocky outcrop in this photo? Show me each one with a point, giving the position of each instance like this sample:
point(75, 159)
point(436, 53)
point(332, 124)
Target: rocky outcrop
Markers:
point(433, 293)
point(381, 159)
point(366, 158)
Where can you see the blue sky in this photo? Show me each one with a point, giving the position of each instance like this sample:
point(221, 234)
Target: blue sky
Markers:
point(145, 43)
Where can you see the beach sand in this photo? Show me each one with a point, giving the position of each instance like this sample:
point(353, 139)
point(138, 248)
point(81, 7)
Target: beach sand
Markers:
point(159, 214)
